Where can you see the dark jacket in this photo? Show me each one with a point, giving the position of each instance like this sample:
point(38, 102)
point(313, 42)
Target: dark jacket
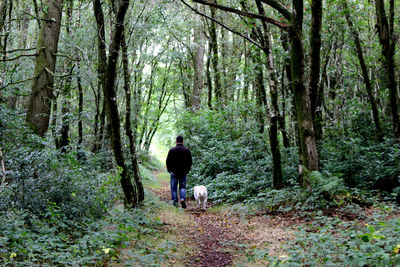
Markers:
point(179, 160)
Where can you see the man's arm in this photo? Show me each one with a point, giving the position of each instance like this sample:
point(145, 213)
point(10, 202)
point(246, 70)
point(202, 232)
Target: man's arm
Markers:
point(190, 161)
point(168, 161)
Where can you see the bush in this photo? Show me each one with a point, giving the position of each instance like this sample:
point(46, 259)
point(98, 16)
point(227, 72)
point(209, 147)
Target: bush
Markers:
point(41, 177)
point(365, 165)
point(230, 156)
point(333, 242)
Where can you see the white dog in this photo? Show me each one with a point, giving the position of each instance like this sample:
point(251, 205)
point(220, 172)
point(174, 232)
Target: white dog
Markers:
point(200, 195)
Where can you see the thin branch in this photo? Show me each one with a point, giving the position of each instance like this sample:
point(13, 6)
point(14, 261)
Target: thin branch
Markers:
point(3, 168)
point(37, 18)
point(279, 7)
point(222, 25)
point(17, 57)
point(66, 56)
point(281, 25)
point(17, 50)
point(17, 82)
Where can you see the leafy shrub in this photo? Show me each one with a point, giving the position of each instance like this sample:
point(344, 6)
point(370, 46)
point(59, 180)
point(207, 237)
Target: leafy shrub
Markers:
point(361, 164)
point(333, 242)
point(230, 156)
point(40, 176)
point(26, 239)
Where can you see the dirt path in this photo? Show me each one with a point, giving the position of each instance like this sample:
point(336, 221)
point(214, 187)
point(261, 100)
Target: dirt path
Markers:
point(216, 237)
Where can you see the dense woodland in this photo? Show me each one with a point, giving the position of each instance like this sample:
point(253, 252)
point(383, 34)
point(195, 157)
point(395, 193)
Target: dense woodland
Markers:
point(288, 107)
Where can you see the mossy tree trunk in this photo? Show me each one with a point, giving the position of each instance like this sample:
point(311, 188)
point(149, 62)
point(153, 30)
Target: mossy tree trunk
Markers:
point(277, 180)
point(65, 110)
point(111, 103)
point(101, 66)
point(215, 60)
point(387, 39)
point(315, 64)
point(308, 144)
point(128, 126)
point(39, 106)
point(198, 66)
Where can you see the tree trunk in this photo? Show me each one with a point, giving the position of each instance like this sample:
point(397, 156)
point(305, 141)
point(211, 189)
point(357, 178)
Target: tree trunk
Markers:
point(261, 97)
point(388, 42)
point(217, 74)
point(53, 123)
point(65, 111)
point(246, 78)
point(8, 31)
point(65, 114)
point(367, 81)
point(198, 63)
point(128, 128)
point(288, 72)
point(302, 101)
point(80, 112)
point(274, 114)
point(3, 14)
point(313, 85)
point(40, 100)
point(101, 66)
point(208, 75)
point(112, 107)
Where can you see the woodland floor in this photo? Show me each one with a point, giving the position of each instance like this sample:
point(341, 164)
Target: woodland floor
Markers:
point(218, 236)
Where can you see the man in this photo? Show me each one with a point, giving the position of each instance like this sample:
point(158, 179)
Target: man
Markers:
point(179, 162)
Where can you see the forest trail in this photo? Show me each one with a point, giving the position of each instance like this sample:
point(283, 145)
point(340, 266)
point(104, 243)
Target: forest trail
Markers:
point(218, 237)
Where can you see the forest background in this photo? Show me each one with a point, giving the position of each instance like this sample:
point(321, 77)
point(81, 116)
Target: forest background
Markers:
point(287, 107)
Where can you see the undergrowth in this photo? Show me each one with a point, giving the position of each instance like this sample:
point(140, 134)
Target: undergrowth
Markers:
point(234, 161)
point(58, 209)
point(330, 241)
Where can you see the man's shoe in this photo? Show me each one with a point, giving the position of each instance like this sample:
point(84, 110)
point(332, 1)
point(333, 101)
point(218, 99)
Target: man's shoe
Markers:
point(175, 204)
point(183, 203)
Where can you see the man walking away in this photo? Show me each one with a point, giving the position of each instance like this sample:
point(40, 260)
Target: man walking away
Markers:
point(179, 162)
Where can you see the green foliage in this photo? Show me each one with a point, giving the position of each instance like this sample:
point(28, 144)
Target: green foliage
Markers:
point(333, 242)
point(56, 210)
point(368, 165)
point(323, 191)
point(40, 176)
point(57, 240)
point(230, 156)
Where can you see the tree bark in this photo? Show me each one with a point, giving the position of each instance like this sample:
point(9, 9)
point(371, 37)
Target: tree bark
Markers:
point(288, 72)
point(215, 59)
point(302, 101)
point(367, 81)
point(80, 111)
point(313, 85)
point(274, 114)
point(3, 14)
point(112, 107)
point(65, 111)
point(388, 42)
point(208, 75)
point(261, 97)
point(128, 127)
point(40, 100)
point(65, 114)
point(198, 64)
point(101, 66)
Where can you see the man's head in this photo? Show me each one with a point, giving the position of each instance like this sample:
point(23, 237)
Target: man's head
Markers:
point(179, 139)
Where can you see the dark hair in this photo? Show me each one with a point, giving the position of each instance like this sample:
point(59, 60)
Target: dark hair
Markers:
point(179, 139)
